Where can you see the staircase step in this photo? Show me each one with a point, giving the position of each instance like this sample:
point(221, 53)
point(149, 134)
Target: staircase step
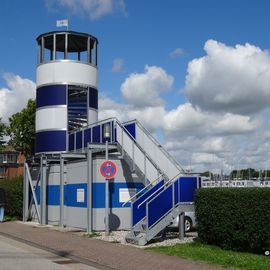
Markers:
point(140, 239)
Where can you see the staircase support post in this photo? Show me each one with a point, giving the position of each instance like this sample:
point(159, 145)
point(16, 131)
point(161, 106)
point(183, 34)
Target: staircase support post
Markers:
point(181, 226)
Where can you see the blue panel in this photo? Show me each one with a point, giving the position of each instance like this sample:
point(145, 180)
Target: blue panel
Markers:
point(51, 95)
point(131, 128)
point(87, 137)
point(98, 200)
point(53, 195)
point(176, 192)
point(79, 140)
point(51, 141)
point(71, 142)
point(139, 213)
point(188, 186)
point(70, 195)
point(96, 134)
point(159, 206)
point(93, 98)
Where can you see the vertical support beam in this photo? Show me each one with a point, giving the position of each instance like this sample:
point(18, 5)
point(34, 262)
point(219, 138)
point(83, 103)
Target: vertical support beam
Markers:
point(100, 131)
point(145, 178)
point(181, 226)
point(43, 191)
point(66, 46)
point(133, 156)
point(25, 195)
point(95, 53)
point(89, 189)
point(61, 191)
point(122, 141)
point(89, 50)
point(42, 50)
point(106, 195)
point(54, 47)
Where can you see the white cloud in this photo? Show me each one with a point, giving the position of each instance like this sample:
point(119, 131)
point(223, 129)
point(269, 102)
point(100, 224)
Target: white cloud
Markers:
point(95, 9)
point(150, 117)
point(144, 89)
point(117, 65)
point(184, 119)
point(231, 123)
point(229, 79)
point(176, 53)
point(197, 137)
point(14, 98)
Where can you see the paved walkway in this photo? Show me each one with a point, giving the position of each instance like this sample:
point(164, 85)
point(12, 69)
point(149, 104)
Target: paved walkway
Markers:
point(100, 254)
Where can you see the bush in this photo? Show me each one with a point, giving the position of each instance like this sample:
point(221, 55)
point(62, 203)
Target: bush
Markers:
point(234, 218)
point(14, 196)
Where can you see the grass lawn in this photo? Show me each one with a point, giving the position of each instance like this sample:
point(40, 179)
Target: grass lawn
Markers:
point(218, 256)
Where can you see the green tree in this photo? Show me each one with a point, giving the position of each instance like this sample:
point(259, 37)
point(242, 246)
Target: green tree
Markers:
point(2, 133)
point(22, 129)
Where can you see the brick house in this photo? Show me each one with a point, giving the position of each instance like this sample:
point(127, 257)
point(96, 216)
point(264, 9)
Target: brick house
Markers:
point(11, 162)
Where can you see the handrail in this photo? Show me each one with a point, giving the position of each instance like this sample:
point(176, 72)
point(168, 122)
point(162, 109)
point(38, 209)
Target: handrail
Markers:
point(151, 137)
point(154, 193)
point(142, 190)
point(93, 125)
point(129, 122)
point(141, 149)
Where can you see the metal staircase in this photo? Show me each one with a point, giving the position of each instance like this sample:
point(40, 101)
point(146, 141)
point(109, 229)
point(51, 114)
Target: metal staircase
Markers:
point(141, 151)
point(168, 192)
point(158, 206)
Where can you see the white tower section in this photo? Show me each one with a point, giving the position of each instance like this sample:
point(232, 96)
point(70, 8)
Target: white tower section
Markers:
point(67, 92)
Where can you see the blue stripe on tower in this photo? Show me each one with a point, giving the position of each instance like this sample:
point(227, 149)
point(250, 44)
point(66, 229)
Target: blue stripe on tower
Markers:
point(51, 141)
point(93, 98)
point(51, 95)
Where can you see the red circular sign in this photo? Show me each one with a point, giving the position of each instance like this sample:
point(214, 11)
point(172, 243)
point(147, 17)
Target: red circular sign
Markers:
point(108, 169)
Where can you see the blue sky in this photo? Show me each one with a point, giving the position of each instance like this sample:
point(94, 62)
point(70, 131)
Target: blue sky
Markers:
point(169, 36)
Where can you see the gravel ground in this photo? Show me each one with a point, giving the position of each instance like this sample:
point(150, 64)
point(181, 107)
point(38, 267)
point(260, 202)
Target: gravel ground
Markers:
point(170, 239)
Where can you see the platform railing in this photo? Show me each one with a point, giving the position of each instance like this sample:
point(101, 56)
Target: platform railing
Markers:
point(121, 136)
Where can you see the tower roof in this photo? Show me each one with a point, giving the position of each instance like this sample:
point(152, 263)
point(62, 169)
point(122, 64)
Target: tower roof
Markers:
point(77, 42)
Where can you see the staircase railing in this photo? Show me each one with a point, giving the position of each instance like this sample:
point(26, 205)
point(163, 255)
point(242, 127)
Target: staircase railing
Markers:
point(119, 134)
point(138, 155)
point(142, 190)
point(159, 155)
point(179, 191)
point(155, 209)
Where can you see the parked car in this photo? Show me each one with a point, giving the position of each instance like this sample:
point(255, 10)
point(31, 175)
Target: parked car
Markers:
point(190, 222)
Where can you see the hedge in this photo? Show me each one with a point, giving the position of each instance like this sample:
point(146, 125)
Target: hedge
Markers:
point(234, 218)
point(14, 196)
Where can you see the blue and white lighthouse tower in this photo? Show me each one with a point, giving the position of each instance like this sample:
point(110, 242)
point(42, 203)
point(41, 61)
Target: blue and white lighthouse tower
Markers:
point(149, 189)
point(67, 93)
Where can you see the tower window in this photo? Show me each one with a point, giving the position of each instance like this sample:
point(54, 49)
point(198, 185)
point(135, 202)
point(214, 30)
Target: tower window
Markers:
point(77, 107)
